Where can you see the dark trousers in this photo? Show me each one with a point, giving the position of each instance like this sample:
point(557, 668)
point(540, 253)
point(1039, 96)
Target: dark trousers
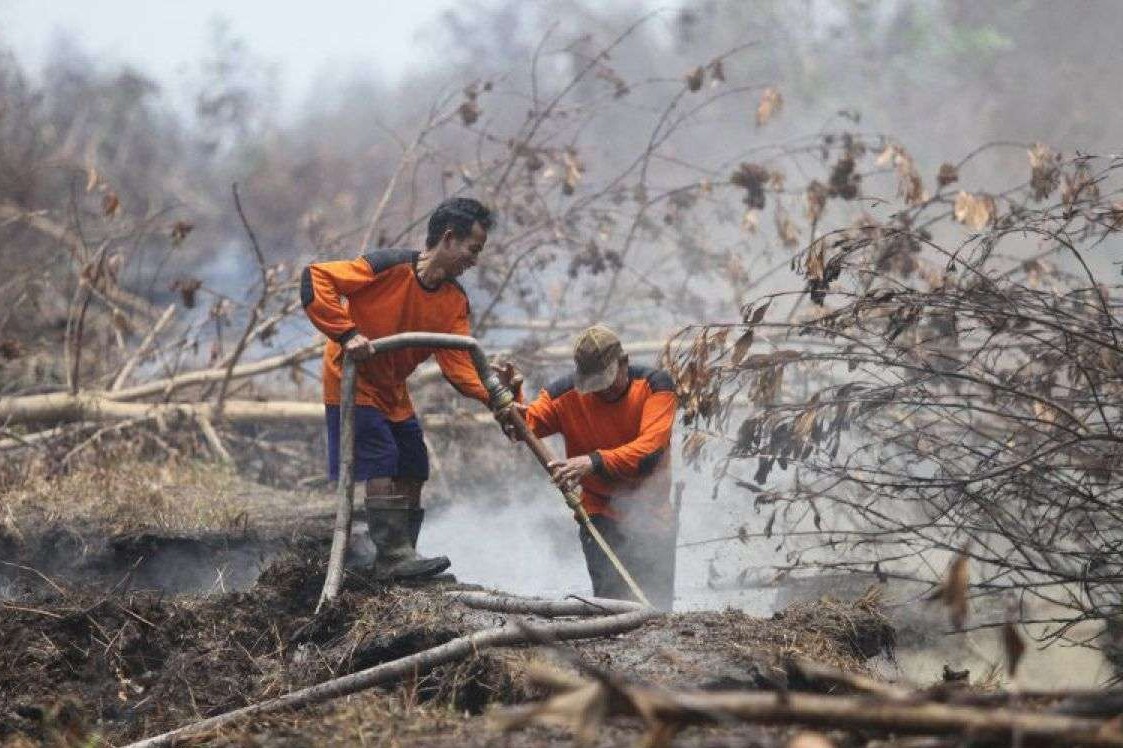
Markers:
point(649, 556)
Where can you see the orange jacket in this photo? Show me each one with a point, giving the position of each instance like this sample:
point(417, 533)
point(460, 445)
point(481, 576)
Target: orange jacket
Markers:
point(384, 297)
point(628, 441)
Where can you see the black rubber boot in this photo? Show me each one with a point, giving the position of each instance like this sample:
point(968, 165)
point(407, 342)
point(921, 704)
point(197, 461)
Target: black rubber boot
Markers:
point(416, 517)
point(390, 528)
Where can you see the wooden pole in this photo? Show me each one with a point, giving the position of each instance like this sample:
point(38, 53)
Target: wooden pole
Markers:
point(611, 617)
point(573, 500)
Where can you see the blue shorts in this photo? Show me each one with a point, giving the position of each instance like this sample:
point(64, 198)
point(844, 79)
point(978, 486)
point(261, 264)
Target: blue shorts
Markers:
point(383, 448)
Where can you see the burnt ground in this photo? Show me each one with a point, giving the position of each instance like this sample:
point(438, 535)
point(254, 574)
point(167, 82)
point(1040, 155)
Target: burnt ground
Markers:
point(111, 631)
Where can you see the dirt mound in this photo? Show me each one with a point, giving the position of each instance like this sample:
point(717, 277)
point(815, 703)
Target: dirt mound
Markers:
point(139, 662)
point(136, 663)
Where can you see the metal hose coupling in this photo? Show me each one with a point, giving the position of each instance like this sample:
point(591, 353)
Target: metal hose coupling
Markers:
point(499, 395)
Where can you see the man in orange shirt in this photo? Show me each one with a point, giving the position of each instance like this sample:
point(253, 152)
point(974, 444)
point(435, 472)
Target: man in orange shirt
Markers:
point(389, 292)
point(616, 420)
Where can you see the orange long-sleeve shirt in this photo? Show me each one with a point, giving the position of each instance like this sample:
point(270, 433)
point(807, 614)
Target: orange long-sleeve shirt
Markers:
point(384, 297)
point(628, 441)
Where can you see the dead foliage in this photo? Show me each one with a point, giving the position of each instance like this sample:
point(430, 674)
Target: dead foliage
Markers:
point(953, 394)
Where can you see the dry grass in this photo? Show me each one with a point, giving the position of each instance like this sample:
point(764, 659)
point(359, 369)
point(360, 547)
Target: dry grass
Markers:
point(127, 494)
point(840, 632)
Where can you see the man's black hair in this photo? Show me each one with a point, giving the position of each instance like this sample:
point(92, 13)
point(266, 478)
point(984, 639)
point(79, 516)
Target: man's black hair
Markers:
point(458, 214)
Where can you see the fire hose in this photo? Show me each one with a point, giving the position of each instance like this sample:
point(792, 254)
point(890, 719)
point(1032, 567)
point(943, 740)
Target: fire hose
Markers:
point(500, 398)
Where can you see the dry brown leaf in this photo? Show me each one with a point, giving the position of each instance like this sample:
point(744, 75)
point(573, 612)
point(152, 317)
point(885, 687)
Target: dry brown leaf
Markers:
point(953, 590)
point(768, 384)
point(771, 102)
point(845, 181)
point(692, 446)
point(469, 112)
point(815, 265)
point(948, 174)
point(975, 210)
point(1044, 412)
point(1080, 185)
point(110, 204)
point(717, 71)
point(786, 228)
point(573, 171)
point(886, 156)
point(759, 312)
point(804, 424)
point(741, 347)
point(817, 194)
point(911, 187)
point(180, 230)
point(121, 322)
point(1113, 216)
point(909, 184)
point(694, 78)
point(1045, 173)
point(188, 288)
point(750, 222)
point(1013, 646)
point(752, 177)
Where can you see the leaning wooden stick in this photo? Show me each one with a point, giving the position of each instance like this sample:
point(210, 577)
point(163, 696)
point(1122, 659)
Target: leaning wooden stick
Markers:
point(342, 533)
point(545, 457)
point(611, 617)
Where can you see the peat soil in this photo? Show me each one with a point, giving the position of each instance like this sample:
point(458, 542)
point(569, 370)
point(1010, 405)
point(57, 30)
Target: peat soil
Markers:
point(107, 638)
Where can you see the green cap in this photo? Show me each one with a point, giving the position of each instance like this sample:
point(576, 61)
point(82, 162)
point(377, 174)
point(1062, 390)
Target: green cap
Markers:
point(596, 352)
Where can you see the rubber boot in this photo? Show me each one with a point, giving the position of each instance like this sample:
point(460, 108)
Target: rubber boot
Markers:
point(389, 526)
point(360, 550)
point(416, 517)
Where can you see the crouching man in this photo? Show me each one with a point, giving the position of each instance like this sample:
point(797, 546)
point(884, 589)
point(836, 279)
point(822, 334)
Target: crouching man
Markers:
point(374, 296)
point(616, 420)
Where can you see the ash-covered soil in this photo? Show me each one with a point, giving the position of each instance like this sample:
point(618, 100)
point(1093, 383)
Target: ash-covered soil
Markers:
point(122, 664)
point(119, 626)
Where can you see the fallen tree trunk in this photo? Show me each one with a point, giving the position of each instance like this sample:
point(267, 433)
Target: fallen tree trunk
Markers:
point(623, 616)
point(582, 704)
point(97, 406)
point(119, 404)
point(428, 372)
point(93, 407)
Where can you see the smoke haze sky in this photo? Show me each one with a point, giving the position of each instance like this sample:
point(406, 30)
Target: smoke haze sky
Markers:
point(166, 38)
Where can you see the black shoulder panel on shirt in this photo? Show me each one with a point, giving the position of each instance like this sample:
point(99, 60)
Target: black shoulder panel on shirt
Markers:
point(660, 380)
point(388, 258)
point(559, 387)
point(306, 294)
point(636, 371)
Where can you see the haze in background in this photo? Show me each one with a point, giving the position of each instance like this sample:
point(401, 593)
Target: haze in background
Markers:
point(165, 39)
